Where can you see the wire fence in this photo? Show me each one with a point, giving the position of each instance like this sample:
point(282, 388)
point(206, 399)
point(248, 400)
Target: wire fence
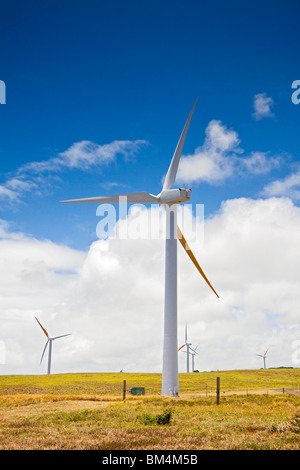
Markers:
point(218, 392)
point(257, 391)
point(207, 390)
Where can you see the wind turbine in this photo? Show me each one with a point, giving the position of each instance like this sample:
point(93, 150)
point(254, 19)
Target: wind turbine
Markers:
point(193, 357)
point(187, 344)
point(264, 356)
point(169, 198)
point(49, 341)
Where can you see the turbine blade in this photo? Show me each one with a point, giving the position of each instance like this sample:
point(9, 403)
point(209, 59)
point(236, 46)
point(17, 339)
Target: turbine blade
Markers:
point(193, 259)
point(186, 333)
point(181, 347)
point(172, 171)
point(266, 352)
point(44, 350)
point(61, 336)
point(194, 351)
point(137, 197)
point(42, 328)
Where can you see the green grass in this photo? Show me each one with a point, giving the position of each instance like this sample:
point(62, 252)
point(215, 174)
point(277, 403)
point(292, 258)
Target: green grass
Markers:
point(86, 411)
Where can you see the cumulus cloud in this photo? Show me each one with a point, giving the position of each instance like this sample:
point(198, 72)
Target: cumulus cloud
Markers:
point(211, 162)
point(288, 187)
point(263, 106)
point(82, 155)
point(221, 157)
point(111, 297)
point(260, 163)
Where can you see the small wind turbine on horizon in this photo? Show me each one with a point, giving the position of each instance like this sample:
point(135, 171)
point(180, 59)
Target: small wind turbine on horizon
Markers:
point(193, 352)
point(49, 342)
point(169, 198)
point(189, 351)
point(264, 356)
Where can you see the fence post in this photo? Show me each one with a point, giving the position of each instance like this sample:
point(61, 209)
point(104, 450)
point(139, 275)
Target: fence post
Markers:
point(218, 390)
point(124, 389)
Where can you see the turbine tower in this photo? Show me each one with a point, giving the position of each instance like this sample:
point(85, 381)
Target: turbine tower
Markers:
point(169, 198)
point(49, 342)
point(264, 356)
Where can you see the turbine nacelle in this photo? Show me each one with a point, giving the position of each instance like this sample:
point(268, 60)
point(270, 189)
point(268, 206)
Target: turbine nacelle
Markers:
point(174, 196)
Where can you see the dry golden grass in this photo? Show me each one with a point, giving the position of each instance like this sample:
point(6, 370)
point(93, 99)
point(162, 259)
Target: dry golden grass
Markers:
point(86, 411)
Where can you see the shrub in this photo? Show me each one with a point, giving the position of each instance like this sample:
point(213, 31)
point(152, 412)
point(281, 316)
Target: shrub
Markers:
point(160, 419)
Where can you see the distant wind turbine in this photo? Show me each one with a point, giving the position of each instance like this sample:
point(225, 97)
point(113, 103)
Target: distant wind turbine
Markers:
point(169, 198)
point(193, 352)
point(49, 342)
point(264, 356)
point(187, 344)
point(189, 351)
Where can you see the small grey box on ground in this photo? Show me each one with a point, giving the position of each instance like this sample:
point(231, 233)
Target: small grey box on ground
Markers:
point(137, 391)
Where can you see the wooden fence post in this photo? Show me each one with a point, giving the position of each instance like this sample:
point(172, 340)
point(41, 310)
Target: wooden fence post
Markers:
point(218, 390)
point(124, 389)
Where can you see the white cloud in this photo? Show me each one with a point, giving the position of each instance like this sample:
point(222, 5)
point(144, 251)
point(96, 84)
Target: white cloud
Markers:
point(211, 162)
point(288, 187)
point(263, 106)
point(111, 297)
point(260, 163)
point(220, 157)
point(82, 155)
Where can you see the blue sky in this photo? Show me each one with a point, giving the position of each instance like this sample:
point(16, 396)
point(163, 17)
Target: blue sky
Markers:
point(106, 71)
point(97, 94)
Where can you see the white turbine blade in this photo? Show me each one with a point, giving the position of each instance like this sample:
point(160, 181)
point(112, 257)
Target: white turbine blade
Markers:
point(194, 350)
point(61, 336)
point(172, 171)
point(193, 258)
point(181, 347)
point(42, 328)
point(138, 197)
point(186, 333)
point(44, 350)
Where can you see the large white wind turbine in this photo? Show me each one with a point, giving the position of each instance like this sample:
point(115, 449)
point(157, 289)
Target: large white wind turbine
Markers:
point(169, 198)
point(264, 356)
point(49, 342)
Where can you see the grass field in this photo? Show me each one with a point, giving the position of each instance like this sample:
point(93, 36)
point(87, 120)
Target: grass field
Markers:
point(257, 410)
